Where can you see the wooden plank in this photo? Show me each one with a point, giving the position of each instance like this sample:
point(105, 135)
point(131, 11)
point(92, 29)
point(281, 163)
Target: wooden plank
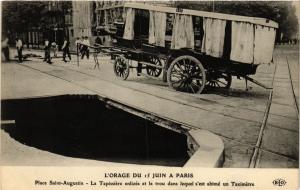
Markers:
point(110, 7)
point(253, 20)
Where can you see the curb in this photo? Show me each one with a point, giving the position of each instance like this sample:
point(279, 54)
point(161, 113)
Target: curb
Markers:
point(210, 151)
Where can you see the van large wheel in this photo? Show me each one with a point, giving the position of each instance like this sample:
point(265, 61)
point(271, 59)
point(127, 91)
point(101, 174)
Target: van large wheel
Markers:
point(121, 67)
point(187, 74)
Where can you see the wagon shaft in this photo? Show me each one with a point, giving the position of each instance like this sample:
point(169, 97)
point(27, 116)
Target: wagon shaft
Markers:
point(258, 83)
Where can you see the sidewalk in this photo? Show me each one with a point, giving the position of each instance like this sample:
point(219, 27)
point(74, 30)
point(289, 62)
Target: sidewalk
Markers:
point(281, 141)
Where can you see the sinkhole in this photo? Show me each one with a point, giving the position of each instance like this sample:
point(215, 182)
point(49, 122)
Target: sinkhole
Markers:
point(85, 126)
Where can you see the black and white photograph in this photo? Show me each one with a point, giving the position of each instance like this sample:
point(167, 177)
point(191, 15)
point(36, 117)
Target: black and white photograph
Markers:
point(150, 84)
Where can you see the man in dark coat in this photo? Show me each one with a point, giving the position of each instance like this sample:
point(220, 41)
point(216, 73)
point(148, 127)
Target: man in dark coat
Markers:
point(19, 46)
point(47, 51)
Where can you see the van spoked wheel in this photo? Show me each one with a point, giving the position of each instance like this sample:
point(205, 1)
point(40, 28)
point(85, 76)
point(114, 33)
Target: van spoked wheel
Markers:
point(154, 71)
point(121, 67)
point(187, 74)
point(218, 79)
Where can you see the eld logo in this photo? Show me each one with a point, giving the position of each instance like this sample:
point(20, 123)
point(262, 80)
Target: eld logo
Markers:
point(279, 182)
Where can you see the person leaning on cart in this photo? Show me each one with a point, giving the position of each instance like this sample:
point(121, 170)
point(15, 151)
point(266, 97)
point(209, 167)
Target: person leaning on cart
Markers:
point(98, 41)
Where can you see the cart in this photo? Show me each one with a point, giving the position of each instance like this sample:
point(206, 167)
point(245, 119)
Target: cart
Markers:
point(192, 49)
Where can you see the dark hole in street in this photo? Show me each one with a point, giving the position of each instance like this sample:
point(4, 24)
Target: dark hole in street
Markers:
point(85, 127)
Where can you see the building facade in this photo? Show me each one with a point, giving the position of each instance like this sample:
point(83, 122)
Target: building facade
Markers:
point(82, 18)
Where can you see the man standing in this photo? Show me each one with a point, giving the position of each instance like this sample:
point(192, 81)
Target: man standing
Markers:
point(5, 49)
point(47, 51)
point(66, 49)
point(81, 45)
point(54, 49)
point(85, 48)
point(77, 45)
point(19, 46)
point(45, 48)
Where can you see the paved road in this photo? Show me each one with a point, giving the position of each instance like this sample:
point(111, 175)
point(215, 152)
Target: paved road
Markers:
point(236, 116)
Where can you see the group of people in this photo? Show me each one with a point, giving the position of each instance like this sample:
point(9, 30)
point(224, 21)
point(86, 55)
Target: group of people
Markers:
point(82, 46)
point(65, 48)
